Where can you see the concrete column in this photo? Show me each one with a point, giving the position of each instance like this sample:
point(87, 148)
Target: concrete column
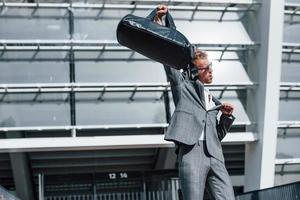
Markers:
point(21, 172)
point(22, 175)
point(264, 67)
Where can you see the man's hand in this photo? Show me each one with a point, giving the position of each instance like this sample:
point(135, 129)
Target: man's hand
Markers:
point(227, 109)
point(161, 10)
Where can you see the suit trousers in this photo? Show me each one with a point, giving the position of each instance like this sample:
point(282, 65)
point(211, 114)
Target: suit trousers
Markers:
point(197, 170)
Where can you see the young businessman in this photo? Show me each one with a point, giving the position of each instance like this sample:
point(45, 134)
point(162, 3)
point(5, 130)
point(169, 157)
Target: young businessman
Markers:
point(194, 127)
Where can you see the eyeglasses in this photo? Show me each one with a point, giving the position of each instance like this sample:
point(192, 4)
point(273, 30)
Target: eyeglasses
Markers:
point(207, 67)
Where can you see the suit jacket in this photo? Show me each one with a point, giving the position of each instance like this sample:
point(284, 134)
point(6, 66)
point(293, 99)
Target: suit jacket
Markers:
point(190, 117)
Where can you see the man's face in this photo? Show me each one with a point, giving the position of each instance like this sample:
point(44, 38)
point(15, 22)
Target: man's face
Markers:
point(204, 70)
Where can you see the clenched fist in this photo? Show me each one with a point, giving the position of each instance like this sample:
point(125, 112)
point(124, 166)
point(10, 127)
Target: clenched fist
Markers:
point(227, 109)
point(161, 10)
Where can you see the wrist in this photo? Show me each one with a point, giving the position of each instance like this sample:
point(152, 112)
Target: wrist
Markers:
point(227, 114)
point(158, 19)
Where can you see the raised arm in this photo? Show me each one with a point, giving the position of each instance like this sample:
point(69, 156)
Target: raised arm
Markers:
point(174, 76)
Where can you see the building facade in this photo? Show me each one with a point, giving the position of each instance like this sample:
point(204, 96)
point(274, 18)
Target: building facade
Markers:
point(82, 117)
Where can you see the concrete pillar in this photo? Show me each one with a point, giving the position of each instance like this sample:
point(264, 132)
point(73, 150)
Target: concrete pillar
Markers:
point(264, 67)
point(21, 172)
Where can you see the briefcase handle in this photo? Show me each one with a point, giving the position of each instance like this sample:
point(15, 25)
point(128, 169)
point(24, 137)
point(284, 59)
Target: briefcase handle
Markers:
point(191, 69)
point(169, 19)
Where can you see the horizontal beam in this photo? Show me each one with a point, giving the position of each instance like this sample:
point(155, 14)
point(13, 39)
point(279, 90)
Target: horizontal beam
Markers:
point(115, 154)
point(92, 162)
point(292, 9)
point(290, 48)
point(240, 2)
point(101, 48)
point(287, 161)
point(83, 127)
point(103, 142)
point(96, 127)
point(105, 45)
point(83, 143)
point(82, 85)
point(290, 86)
point(290, 44)
point(217, 8)
point(108, 87)
point(289, 124)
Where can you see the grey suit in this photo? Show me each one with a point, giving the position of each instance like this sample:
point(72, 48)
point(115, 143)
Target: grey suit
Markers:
point(200, 162)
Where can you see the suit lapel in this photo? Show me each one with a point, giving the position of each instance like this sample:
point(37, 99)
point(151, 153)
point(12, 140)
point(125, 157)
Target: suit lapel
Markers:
point(200, 88)
point(197, 91)
point(192, 88)
point(199, 95)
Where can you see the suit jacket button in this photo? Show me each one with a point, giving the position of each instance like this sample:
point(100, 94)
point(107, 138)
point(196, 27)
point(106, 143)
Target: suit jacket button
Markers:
point(203, 121)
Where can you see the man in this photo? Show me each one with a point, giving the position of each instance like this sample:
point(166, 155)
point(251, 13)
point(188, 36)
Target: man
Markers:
point(194, 127)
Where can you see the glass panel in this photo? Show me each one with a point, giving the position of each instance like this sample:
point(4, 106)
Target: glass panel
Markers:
point(34, 72)
point(98, 24)
point(144, 71)
point(23, 110)
point(290, 72)
point(288, 143)
point(46, 23)
point(291, 33)
point(118, 109)
point(289, 106)
point(32, 56)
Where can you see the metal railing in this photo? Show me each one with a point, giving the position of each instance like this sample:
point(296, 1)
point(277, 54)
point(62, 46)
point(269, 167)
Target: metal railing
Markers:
point(104, 45)
point(221, 6)
point(287, 161)
point(167, 192)
point(74, 129)
point(108, 87)
point(151, 195)
point(288, 124)
point(292, 9)
point(291, 47)
point(288, 192)
point(292, 12)
point(98, 127)
point(290, 52)
point(289, 86)
point(203, 2)
point(83, 127)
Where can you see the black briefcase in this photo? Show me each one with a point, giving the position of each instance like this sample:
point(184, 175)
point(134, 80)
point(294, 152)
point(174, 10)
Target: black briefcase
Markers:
point(163, 44)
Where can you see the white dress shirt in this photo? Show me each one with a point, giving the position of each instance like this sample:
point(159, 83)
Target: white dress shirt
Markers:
point(208, 105)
